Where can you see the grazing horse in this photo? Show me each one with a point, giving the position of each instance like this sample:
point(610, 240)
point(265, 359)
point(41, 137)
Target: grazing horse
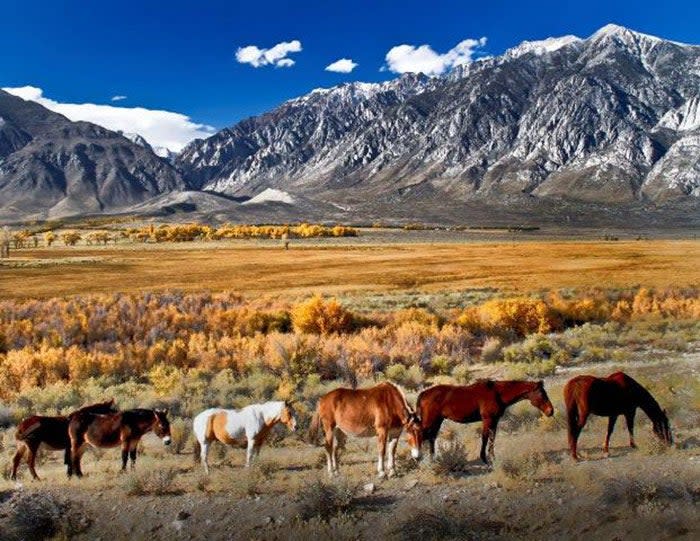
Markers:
point(52, 431)
point(249, 425)
point(125, 428)
point(618, 394)
point(381, 410)
point(485, 400)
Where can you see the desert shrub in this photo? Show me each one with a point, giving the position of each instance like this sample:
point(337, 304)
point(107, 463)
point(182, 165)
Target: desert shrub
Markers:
point(434, 522)
point(535, 349)
point(451, 459)
point(157, 482)
point(319, 316)
point(535, 370)
point(491, 350)
point(322, 500)
point(39, 515)
point(520, 466)
point(462, 374)
point(441, 365)
point(180, 433)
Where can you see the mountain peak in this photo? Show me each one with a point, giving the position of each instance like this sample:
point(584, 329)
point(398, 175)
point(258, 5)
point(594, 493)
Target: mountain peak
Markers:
point(543, 46)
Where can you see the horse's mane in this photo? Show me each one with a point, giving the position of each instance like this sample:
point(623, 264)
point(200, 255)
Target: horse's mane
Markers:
point(646, 401)
point(401, 394)
point(90, 408)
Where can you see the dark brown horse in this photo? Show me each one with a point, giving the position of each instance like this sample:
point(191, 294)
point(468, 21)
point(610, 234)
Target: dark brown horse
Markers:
point(123, 429)
point(51, 431)
point(484, 401)
point(610, 397)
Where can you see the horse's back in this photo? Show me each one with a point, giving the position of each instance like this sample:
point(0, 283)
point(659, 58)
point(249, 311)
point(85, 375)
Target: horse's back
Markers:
point(356, 410)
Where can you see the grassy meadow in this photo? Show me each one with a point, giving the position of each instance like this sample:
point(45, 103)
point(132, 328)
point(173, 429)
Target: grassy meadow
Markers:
point(226, 321)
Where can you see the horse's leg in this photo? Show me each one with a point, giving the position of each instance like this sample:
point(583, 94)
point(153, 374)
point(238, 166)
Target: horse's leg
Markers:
point(31, 459)
point(576, 421)
point(492, 439)
point(391, 455)
point(21, 450)
point(381, 451)
point(488, 433)
point(249, 452)
point(431, 436)
point(76, 454)
point(328, 445)
point(68, 462)
point(203, 454)
point(629, 417)
point(125, 454)
point(133, 448)
point(611, 426)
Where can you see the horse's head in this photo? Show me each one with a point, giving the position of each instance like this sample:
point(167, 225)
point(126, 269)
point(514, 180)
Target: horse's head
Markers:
point(162, 425)
point(288, 417)
point(538, 398)
point(414, 434)
point(662, 429)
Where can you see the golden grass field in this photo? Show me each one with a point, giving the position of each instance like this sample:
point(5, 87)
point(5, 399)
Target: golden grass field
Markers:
point(255, 268)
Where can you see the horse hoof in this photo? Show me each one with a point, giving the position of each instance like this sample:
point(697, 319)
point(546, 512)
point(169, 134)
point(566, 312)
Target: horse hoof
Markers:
point(392, 473)
point(381, 475)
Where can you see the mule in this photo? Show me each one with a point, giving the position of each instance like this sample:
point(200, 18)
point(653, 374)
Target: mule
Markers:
point(123, 429)
point(249, 425)
point(380, 411)
point(485, 401)
point(618, 394)
point(52, 432)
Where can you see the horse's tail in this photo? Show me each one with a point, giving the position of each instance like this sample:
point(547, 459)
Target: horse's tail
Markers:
point(571, 406)
point(314, 427)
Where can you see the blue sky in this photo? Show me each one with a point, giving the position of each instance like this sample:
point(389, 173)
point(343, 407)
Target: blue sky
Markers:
point(181, 56)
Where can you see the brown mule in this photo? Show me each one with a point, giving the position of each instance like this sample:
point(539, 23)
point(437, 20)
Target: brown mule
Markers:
point(51, 431)
point(124, 429)
point(618, 394)
point(381, 410)
point(484, 401)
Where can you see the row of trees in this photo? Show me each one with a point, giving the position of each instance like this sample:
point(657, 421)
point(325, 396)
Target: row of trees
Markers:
point(175, 233)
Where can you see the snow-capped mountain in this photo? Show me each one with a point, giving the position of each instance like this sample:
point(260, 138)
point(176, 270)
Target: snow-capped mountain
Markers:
point(50, 166)
point(610, 119)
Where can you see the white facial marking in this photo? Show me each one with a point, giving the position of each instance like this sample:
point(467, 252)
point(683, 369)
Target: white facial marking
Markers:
point(415, 453)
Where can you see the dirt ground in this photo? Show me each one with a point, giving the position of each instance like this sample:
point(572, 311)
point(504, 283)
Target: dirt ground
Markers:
point(534, 491)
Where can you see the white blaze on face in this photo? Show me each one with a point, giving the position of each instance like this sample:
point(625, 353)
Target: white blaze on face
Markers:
point(415, 453)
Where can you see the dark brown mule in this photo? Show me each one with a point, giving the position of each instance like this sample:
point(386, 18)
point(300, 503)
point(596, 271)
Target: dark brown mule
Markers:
point(123, 429)
point(610, 397)
point(51, 431)
point(381, 410)
point(484, 401)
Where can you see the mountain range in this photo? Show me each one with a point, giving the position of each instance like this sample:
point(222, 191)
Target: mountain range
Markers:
point(603, 129)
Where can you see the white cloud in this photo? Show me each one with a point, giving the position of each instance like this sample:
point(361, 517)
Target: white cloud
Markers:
point(423, 59)
point(275, 56)
point(160, 128)
point(118, 98)
point(344, 65)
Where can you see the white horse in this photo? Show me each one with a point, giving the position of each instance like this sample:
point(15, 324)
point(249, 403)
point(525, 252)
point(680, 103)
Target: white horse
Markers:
point(250, 424)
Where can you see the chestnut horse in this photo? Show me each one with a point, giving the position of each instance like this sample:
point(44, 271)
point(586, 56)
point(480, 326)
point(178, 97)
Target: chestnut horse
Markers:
point(485, 400)
point(51, 431)
point(248, 425)
point(618, 394)
point(381, 410)
point(125, 428)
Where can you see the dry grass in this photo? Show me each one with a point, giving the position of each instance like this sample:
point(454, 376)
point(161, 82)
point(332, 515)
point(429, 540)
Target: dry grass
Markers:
point(253, 268)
